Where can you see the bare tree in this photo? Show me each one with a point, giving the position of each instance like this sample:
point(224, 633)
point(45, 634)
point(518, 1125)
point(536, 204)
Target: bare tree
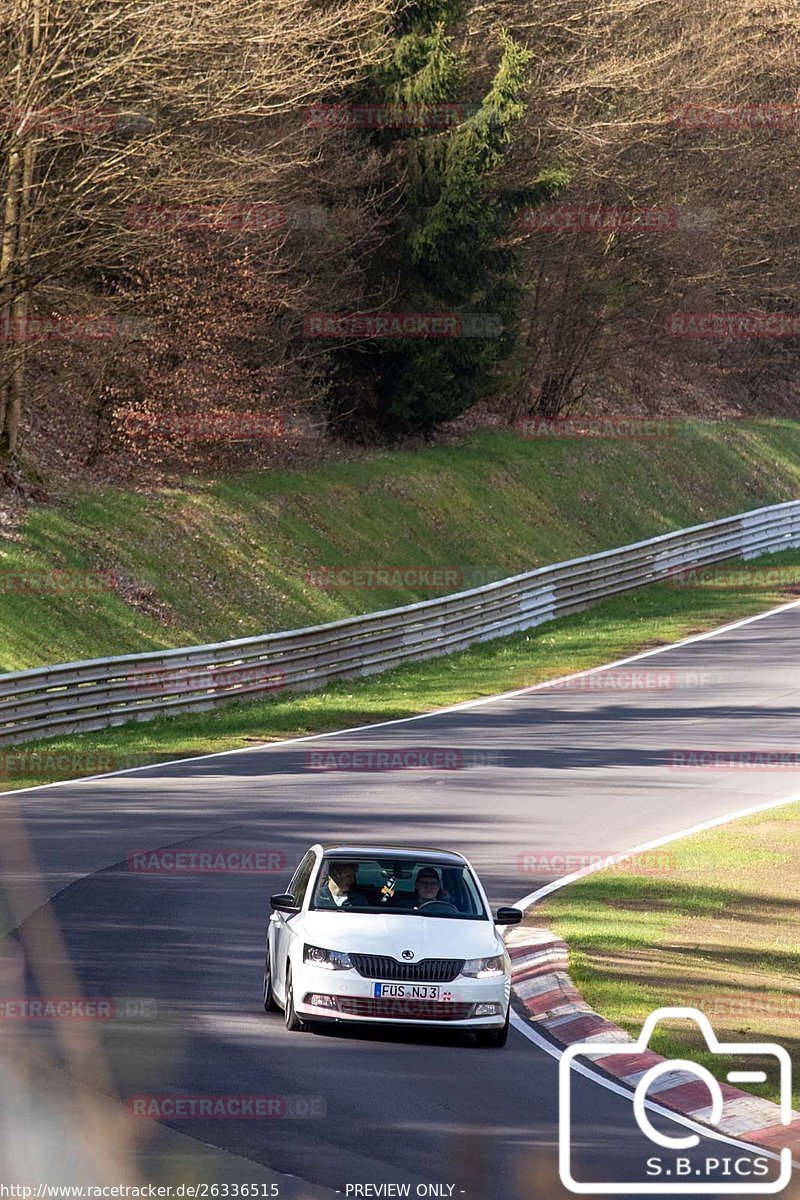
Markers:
point(106, 106)
point(624, 94)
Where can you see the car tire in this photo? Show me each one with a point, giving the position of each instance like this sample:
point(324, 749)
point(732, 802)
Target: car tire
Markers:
point(293, 1022)
point(493, 1039)
point(270, 1003)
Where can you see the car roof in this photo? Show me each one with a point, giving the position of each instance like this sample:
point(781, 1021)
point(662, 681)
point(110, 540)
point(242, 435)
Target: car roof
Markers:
point(413, 853)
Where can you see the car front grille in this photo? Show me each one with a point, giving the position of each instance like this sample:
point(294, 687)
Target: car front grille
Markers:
point(407, 1010)
point(427, 970)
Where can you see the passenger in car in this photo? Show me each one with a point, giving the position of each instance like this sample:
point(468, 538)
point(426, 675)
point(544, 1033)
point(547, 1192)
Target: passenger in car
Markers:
point(339, 889)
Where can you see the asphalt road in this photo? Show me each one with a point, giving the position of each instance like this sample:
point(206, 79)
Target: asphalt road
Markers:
point(584, 769)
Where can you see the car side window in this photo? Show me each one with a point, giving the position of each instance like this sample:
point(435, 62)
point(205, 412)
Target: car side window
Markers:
point(301, 878)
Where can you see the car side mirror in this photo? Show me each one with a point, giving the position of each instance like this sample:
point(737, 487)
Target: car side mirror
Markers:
point(284, 902)
point(508, 916)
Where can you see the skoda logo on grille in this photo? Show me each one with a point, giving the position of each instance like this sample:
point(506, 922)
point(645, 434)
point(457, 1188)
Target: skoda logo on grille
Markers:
point(408, 954)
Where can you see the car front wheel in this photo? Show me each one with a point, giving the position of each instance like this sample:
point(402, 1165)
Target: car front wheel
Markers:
point(270, 1003)
point(293, 1022)
point(493, 1038)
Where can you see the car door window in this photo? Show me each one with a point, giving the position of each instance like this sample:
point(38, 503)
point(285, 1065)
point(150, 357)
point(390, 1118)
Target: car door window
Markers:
point(301, 878)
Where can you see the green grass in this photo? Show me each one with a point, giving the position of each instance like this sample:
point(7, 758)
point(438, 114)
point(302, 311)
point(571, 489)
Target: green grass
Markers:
point(217, 560)
point(214, 560)
point(617, 627)
point(719, 930)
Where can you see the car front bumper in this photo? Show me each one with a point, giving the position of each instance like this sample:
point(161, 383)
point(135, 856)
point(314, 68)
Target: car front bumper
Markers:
point(351, 997)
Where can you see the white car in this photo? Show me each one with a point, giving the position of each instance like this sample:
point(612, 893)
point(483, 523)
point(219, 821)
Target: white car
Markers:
point(388, 934)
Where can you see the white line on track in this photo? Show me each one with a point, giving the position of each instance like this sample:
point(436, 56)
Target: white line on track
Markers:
point(620, 1090)
point(532, 897)
point(555, 1051)
point(434, 712)
point(532, 1035)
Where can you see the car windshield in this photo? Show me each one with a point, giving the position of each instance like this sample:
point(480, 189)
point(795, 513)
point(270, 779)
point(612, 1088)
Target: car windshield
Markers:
point(407, 887)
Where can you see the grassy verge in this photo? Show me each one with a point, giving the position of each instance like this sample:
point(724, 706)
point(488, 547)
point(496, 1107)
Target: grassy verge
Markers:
point(719, 930)
point(646, 617)
point(220, 559)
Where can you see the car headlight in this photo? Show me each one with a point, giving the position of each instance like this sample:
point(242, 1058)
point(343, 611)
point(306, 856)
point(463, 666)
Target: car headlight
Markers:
point(484, 968)
point(334, 960)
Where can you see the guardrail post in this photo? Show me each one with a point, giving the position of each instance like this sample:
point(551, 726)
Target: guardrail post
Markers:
point(45, 701)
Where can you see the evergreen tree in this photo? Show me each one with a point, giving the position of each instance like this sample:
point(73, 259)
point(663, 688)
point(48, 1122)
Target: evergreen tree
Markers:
point(449, 252)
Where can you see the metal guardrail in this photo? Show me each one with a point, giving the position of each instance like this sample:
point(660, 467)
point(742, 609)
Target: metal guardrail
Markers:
point(47, 701)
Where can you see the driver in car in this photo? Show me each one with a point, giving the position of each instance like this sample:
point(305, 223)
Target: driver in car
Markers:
point(427, 887)
point(339, 889)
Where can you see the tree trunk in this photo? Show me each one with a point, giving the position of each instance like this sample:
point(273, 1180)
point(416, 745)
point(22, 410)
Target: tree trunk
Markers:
point(15, 254)
point(8, 265)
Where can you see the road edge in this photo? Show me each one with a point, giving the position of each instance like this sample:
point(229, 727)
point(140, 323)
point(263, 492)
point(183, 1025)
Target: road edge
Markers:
point(549, 1010)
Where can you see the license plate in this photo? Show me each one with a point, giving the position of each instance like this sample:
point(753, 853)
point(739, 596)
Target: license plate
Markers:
point(407, 991)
